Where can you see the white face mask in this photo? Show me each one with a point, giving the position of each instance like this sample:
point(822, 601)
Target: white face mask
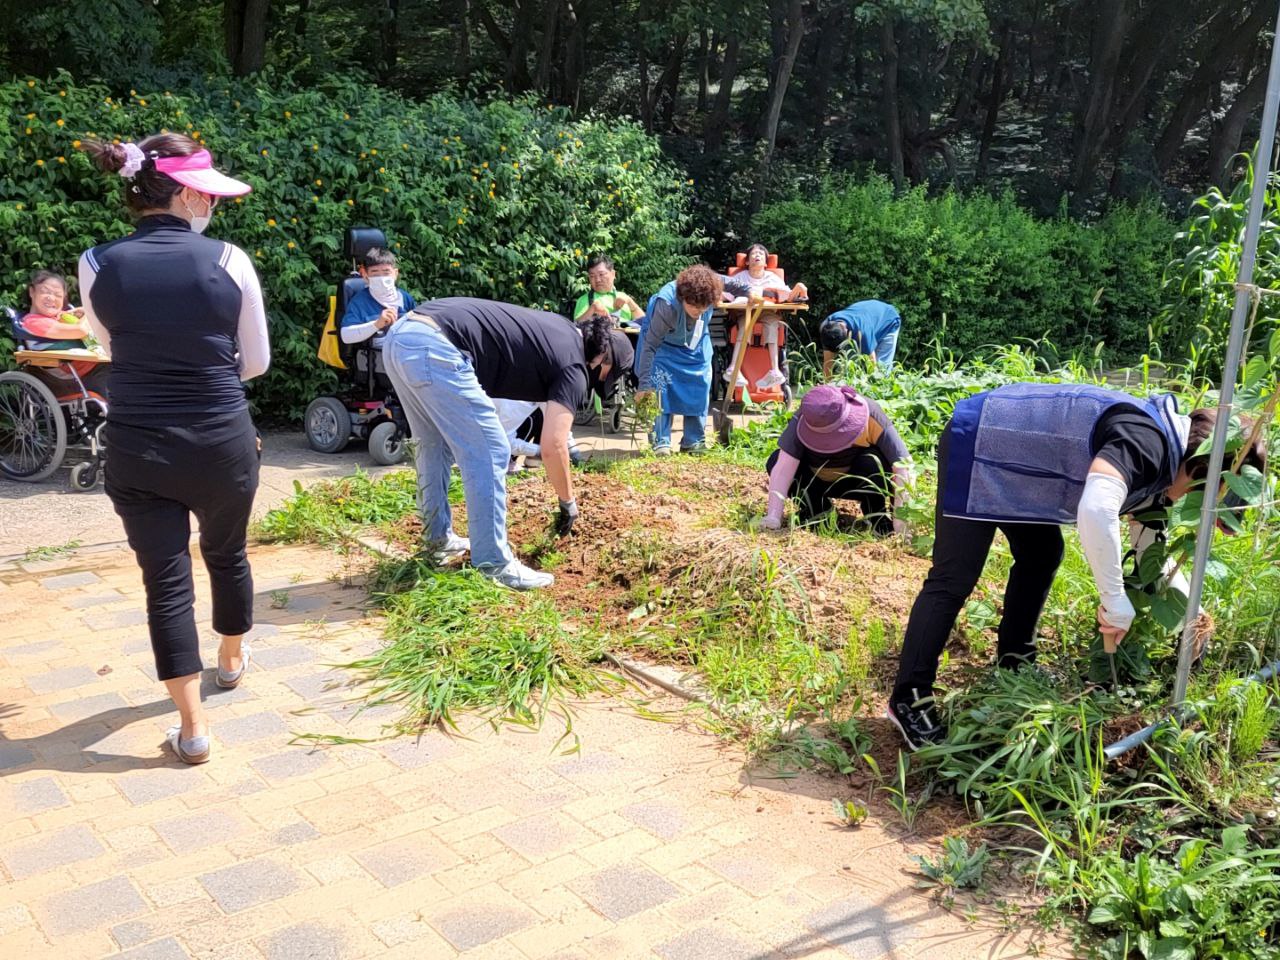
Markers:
point(199, 224)
point(384, 291)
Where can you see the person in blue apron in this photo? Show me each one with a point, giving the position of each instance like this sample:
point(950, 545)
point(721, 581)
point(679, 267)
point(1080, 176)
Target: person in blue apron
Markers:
point(1028, 459)
point(674, 354)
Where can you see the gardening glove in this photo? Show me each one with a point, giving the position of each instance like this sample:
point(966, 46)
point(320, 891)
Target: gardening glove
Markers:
point(568, 514)
point(766, 524)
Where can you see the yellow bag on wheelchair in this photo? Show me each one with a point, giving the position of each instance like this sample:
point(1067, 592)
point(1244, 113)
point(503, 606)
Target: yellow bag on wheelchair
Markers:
point(328, 349)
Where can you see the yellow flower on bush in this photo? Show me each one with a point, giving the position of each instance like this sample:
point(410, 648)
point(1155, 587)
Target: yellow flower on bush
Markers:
point(62, 159)
point(445, 157)
point(195, 134)
point(502, 148)
point(461, 221)
point(454, 263)
point(239, 200)
point(515, 165)
point(288, 114)
point(292, 244)
point(382, 169)
point(31, 116)
point(264, 151)
point(577, 252)
point(29, 131)
point(75, 144)
point(20, 206)
point(62, 93)
point(485, 164)
point(257, 253)
point(319, 182)
point(40, 163)
point(404, 146)
point(271, 221)
point(141, 102)
point(346, 116)
point(31, 83)
point(60, 122)
point(293, 219)
point(351, 203)
point(315, 146)
point(373, 153)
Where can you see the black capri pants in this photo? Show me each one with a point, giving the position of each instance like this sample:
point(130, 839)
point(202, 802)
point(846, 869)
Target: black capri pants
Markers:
point(867, 482)
point(157, 477)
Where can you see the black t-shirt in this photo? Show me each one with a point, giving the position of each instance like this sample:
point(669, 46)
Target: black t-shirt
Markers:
point(1135, 445)
point(518, 353)
point(879, 437)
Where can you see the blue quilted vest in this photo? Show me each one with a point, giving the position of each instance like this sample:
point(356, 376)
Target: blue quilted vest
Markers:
point(1021, 453)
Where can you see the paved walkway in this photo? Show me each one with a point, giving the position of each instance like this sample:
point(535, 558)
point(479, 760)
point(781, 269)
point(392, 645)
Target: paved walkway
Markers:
point(650, 842)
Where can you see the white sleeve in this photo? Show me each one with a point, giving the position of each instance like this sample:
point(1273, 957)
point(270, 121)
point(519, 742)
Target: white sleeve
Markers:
point(251, 333)
point(358, 332)
point(87, 273)
point(1098, 521)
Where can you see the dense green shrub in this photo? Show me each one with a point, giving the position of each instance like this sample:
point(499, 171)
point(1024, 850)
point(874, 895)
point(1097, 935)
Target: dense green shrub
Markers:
point(502, 200)
point(984, 265)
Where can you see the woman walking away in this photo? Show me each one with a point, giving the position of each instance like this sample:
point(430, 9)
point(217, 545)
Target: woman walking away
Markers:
point(181, 317)
point(1027, 459)
point(838, 445)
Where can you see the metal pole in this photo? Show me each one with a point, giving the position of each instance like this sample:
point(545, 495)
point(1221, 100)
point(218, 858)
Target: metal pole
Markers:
point(1248, 256)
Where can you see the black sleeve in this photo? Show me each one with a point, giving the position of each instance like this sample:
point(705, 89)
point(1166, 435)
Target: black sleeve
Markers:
point(569, 389)
point(1132, 443)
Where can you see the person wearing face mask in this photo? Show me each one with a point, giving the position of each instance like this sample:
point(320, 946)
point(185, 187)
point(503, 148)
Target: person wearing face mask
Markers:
point(378, 306)
point(181, 317)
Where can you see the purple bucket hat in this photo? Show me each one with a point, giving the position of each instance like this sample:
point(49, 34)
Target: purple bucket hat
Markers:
point(831, 418)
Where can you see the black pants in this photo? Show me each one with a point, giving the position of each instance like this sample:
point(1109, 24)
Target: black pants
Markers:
point(156, 477)
point(960, 549)
point(867, 483)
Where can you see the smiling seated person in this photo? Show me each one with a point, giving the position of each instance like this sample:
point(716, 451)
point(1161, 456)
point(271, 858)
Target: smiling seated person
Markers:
point(378, 306)
point(604, 299)
point(52, 325)
point(761, 281)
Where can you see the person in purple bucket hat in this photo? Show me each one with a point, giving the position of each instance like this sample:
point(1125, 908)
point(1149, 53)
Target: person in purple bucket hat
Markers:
point(839, 445)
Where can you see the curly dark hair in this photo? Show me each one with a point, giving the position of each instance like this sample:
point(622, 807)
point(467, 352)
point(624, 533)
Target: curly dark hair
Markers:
point(148, 189)
point(597, 337)
point(699, 286)
point(1202, 424)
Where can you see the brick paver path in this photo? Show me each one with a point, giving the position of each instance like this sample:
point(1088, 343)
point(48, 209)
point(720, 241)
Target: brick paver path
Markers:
point(649, 842)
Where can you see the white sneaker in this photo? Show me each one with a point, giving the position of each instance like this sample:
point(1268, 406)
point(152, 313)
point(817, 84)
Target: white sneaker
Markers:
point(519, 577)
point(742, 381)
point(773, 378)
point(450, 550)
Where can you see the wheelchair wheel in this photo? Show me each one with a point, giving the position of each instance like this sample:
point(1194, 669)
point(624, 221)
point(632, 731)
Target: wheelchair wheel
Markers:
point(613, 419)
point(386, 443)
point(33, 430)
point(327, 424)
point(84, 476)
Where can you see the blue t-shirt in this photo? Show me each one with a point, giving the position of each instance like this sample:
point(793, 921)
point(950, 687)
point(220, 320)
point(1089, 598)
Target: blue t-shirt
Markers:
point(362, 307)
point(868, 321)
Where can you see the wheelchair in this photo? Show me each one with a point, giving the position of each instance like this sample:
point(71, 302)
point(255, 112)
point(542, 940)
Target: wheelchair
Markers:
point(365, 404)
point(724, 338)
point(46, 413)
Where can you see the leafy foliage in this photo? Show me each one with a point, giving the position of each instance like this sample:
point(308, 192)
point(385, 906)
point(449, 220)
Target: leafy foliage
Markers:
point(505, 200)
point(981, 268)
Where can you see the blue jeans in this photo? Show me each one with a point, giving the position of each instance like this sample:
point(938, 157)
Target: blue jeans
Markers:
point(887, 346)
point(695, 429)
point(453, 420)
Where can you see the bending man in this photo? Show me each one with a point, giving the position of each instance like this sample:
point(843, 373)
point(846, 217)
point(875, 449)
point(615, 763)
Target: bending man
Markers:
point(446, 358)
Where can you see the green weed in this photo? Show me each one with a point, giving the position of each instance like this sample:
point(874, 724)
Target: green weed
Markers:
point(957, 868)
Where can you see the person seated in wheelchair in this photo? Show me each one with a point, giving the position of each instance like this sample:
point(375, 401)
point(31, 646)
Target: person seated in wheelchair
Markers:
point(380, 304)
point(51, 324)
point(604, 299)
point(762, 282)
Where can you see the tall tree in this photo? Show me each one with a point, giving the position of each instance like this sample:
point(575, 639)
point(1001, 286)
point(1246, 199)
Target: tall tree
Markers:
point(245, 29)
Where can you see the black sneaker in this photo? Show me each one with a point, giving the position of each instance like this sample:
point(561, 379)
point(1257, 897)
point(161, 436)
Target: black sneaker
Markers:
point(916, 721)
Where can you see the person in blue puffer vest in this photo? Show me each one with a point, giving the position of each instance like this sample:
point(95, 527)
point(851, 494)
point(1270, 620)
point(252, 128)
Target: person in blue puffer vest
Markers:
point(1027, 459)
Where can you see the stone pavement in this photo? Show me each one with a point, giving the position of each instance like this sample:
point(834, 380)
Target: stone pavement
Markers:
point(649, 842)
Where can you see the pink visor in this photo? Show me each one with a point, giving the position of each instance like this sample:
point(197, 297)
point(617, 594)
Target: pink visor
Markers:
point(196, 172)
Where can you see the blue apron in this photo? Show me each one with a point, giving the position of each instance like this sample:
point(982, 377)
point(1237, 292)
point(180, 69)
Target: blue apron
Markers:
point(682, 363)
point(1021, 453)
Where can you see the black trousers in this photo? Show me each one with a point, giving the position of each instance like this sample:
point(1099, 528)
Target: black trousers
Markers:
point(157, 477)
point(960, 549)
point(867, 482)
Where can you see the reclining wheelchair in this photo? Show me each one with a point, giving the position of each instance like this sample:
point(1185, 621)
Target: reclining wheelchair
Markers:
point(365, 404)
point(45, 412)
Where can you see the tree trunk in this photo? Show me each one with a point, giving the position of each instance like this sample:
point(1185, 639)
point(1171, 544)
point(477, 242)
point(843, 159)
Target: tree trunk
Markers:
point(889, 106)
point(574, 55)
point(463, 69)
point(781, 80)
point(389, 40)
point(301, 19)
point(517, 78)
point(1220, 56)
point(1226, 142)
point(828, 43)
point(994, 101)
point(704, 69)
point(1110, 30)
point(547, 50)
point(646, 105)
point(669, 82)
point(245, 29)
point(713, 135)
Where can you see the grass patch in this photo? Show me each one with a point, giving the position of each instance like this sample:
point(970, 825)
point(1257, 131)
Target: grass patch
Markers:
point(456, 642)
point(35, 554)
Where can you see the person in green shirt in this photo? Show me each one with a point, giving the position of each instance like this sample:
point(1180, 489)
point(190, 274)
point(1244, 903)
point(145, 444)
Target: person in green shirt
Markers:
point(603, 299)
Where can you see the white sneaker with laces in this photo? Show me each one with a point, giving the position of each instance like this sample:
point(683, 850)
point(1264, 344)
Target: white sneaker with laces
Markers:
point(773, 378)
point(519, 577)
point(450, 550)
point(742, 381)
